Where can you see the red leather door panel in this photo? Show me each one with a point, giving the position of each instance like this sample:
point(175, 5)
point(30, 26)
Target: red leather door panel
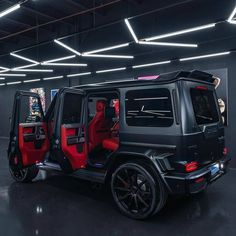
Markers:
point(33, 142)
point(74, 146)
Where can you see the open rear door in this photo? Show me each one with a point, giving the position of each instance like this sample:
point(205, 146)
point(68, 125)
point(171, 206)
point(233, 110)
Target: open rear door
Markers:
point(71, 148)
point(28, 137)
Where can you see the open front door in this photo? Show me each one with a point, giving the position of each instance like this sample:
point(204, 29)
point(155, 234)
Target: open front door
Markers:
point(70, 133)
point(28, 137)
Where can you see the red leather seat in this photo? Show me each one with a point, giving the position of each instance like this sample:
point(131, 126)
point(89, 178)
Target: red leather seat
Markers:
point(111, 144)
point(99, 127)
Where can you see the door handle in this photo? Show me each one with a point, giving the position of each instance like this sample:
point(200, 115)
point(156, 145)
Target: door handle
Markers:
point(71, 140)
point(29, 137)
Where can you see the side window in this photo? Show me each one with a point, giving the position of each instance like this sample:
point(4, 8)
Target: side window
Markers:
point(72, 108)
point(30, 110)
point(149, 108)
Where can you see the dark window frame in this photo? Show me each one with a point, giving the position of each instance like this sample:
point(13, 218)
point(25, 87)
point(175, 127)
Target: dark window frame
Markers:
point(30, 117)
point(212, 115)
point(97, 94)
point(170, 108)
point(80, 121)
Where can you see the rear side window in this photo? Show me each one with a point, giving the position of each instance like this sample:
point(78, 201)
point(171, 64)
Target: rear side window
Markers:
point(204, 106)
point(72, 108)
point(149, 108)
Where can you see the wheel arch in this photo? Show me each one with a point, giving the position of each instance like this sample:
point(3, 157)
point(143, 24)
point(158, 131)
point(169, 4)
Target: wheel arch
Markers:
point(123, 157)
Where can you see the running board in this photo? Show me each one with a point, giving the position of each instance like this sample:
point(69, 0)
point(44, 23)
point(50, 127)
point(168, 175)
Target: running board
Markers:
point(80, 174)
point(48, 166)
point(90, 175)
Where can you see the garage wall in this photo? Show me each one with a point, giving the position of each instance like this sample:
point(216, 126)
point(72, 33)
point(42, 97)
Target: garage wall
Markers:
point(228, 62)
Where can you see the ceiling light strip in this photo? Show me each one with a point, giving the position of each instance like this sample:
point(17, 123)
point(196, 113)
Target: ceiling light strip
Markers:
point(169, 44)
point(107, 48)
point(64, 64)
point(108, 56)
point(204, 56)
point(2, 84)
point(34, 70)
point(24, 58)
point(31, 80)
point(12, 83)
point(23, 67)
point(231, 17)
point(185, 31)
point(55, 77)
point(13, 75)
point(151, 64)
point(111, 70)
point(4, 69)
point(9, 10)
point(59, 59)
point(131, 30)
point(2, 78)
point(67, 47)
point(79, 74)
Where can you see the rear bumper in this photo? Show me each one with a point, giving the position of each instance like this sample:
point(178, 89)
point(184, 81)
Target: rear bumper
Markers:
point(197, 181)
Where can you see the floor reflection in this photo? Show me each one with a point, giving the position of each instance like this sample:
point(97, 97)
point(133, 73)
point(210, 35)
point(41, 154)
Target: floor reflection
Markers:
point(61, 204)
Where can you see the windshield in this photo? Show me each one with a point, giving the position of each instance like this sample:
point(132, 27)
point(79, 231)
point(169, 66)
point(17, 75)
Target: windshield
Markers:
point(204, 106)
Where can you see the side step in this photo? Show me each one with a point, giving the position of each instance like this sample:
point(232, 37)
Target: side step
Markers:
point(89, 175)
point(49, 166)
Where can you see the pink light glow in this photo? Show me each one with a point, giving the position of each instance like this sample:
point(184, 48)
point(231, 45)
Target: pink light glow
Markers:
point(151, 77)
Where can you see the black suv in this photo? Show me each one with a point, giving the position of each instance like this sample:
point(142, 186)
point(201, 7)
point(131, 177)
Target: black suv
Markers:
point(144, 139)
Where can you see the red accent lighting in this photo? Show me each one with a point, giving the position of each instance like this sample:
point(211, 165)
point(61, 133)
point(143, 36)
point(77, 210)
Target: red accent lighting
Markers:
point(199, 180)
point(192, 166)
point(225, 151)
point(201, 88)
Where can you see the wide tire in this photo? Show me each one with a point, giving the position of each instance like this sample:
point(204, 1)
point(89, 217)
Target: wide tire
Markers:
point(137, 190)
point(24, 175)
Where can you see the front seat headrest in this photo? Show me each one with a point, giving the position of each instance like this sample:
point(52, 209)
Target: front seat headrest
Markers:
point(100, 105)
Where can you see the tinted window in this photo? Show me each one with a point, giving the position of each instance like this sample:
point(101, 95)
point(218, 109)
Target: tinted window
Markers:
point(204, 106)
point(149, 108)
point(30, 110)
point(72, 108)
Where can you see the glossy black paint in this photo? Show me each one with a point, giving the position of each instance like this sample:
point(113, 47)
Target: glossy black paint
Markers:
point(60, 205)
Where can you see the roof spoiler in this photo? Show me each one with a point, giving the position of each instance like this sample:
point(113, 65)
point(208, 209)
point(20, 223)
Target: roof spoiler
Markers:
point(194, 74)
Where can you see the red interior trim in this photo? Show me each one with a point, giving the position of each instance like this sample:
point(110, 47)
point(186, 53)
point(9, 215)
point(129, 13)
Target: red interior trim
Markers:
point(31, 155)
point(76, 159)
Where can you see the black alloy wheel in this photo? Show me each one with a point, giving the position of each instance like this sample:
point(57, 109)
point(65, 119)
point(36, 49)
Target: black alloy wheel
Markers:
point(24, 175)
point(137, 193)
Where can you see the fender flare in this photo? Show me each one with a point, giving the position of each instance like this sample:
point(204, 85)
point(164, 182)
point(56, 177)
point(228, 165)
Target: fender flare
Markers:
point(123, 156)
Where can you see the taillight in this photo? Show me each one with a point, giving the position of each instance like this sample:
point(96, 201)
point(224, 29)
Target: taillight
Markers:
point(192, 166)
point(202, 88)
point(225, 151)
point(199, 180)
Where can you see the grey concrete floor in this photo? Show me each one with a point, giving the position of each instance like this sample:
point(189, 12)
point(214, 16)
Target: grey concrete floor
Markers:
point(58, 205)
